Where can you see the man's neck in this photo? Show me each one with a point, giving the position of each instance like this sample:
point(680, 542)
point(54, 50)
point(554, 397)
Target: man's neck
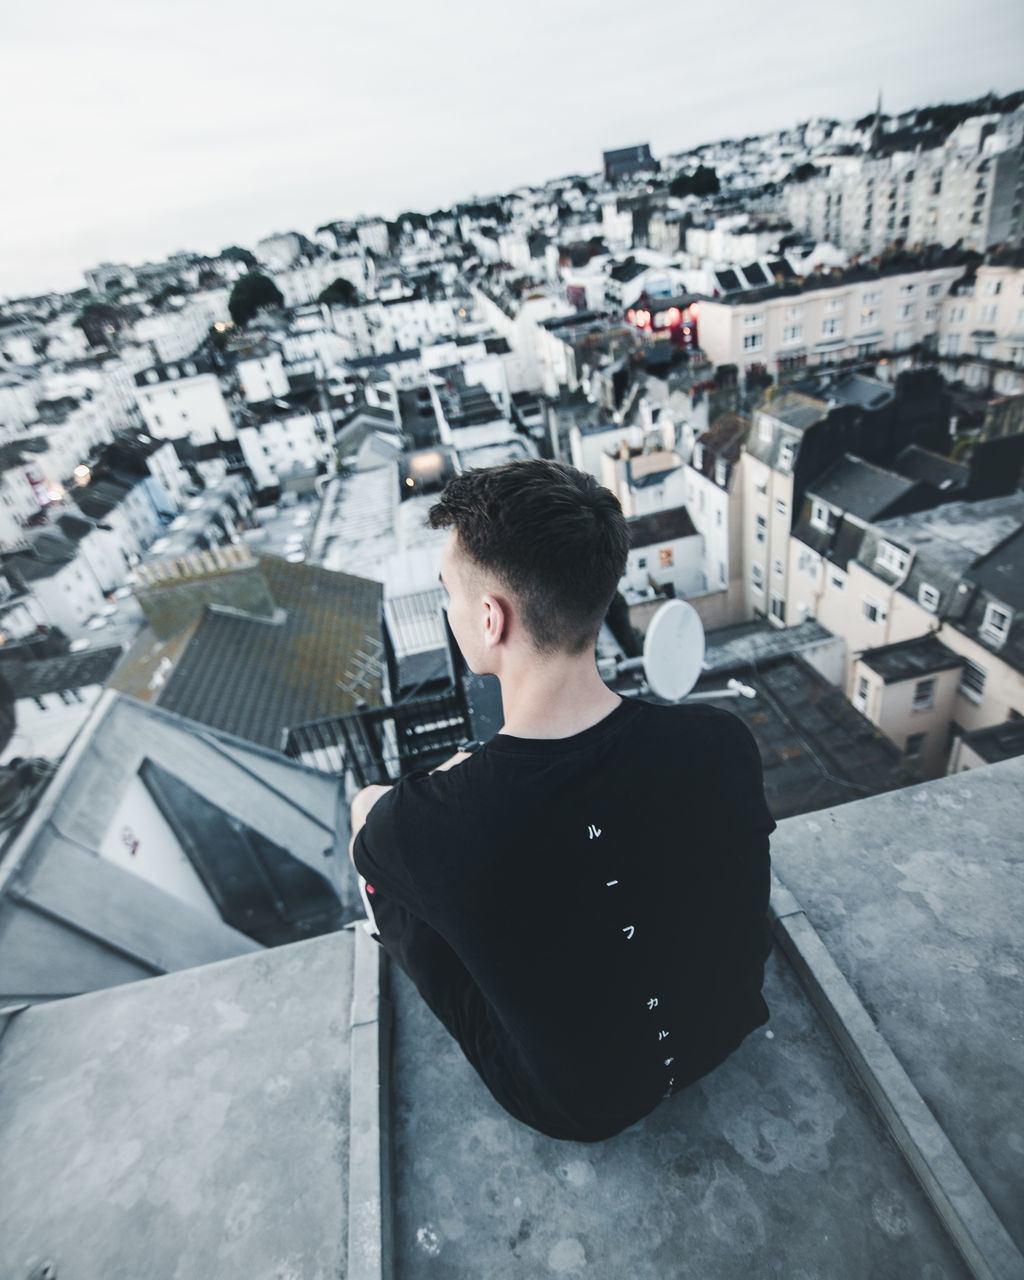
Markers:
point(555, 699)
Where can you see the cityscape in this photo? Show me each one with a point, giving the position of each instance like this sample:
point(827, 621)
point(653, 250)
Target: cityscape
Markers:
point(797, 360)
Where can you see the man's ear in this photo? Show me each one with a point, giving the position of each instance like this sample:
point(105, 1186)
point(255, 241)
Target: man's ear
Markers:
point(496, 621)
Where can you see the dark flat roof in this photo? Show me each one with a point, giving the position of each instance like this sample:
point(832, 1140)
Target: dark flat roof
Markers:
point(911, 659)
point(998, 742)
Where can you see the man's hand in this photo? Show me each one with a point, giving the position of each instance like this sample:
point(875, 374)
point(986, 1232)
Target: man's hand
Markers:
point(362, 802)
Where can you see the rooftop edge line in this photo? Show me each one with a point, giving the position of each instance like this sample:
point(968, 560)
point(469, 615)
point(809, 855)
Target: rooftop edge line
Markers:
point(959, 1203)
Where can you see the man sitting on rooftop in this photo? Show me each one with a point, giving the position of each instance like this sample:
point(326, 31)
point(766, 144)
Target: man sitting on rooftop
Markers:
point(582, 900)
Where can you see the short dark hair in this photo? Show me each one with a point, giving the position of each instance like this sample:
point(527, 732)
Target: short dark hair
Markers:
point(556, 538)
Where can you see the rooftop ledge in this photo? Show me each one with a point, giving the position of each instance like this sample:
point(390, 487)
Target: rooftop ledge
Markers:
point(239, 1119)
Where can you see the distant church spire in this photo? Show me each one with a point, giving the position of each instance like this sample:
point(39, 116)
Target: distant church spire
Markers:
point(876, 129)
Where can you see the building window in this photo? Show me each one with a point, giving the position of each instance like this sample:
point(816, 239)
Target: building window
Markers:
point(721, 472)
point(780, 508)
point(872, 609)
point(996, 625)
point(924, 694)
point(641, 562)
point(956, 314)
point(777, 567)
point(722, 579)
point(928, 597)
point(915, 745)
point(665, 558)
point(755, 318)
point(778, 609)
point(794, 313)
point(822, 517)
point(972, 681)
point(870, 299)
point(753, 341)
point(792, 333)
point(698, 457)
point(891, 557)
point(808, 563)
point(934, 290)
point(992, 287)
point(952, 344)
point(868, 318)
point(760, 525)
point(907, 290)
point(834, 304)
point(907, 310)
point(860, 697)
point(838, 582)
point(757, 576)
point(829, 328)
point(987, 315)
point(786, 455)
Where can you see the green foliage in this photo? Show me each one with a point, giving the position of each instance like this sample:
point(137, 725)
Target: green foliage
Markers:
point(250, 295)
point(340, 293)
point(702, 182)
point(802, 172)
point(173, 290)
point(245, 256)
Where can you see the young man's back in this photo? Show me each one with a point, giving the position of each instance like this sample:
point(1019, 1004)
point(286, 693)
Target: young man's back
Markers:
point(586, 914)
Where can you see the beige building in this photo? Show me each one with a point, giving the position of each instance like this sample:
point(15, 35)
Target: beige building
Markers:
point(851, 315)
point(954, 573)
point(909, 691)
point(965, 192)
point(981, 328)
point(767, 468)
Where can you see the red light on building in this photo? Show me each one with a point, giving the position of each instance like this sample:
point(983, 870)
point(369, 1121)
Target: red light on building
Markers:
point(673, 316)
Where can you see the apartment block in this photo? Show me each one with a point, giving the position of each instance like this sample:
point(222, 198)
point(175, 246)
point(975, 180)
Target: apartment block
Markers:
point(826, 319)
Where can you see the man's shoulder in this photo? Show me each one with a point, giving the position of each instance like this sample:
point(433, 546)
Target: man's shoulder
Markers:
point(698, 719)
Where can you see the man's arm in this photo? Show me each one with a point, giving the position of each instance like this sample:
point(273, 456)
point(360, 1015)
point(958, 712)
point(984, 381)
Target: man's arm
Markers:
point(362, 802)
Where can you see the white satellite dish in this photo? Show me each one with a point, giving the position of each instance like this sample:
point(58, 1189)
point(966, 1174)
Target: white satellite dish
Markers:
point(674, 650)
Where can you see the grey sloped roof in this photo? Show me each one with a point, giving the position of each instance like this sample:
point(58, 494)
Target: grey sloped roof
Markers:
point(78, 913)
point(860, 488)
point(999, 579)
point(946, 540)
point(254, 677)
point(50, 551)
point(921, 464)
point(32, 679)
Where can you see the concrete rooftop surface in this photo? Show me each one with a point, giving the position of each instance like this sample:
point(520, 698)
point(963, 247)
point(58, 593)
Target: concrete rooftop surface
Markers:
point(244, 1119)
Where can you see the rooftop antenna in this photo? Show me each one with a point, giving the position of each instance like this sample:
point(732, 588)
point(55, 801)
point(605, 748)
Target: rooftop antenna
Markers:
point(673, 656)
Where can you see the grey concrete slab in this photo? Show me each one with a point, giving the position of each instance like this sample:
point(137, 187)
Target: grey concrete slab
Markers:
point(775, 1165)
point(961, 1205)
point(918, 896)
point(193, 1125)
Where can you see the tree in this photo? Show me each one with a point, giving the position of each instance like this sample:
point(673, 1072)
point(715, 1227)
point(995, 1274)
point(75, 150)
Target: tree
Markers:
point(340, 293)
point(236, 254)
point(702, 182)
point(250, 295)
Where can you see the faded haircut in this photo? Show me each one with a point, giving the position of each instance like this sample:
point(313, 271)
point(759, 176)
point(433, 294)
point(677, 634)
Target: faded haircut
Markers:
point(551, 534)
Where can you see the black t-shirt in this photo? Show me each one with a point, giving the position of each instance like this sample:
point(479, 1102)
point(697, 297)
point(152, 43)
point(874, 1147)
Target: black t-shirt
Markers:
point(604, 900)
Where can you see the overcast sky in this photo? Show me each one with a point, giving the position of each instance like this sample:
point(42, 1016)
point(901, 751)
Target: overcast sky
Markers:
point(137, 127)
